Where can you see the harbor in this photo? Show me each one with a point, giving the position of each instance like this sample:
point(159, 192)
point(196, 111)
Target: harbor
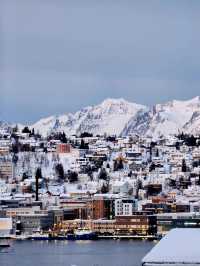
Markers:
point(99, 133)
point(76, 253)
point(80, 236)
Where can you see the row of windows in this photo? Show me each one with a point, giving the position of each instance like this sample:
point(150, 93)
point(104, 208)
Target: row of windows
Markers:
point(132, 226)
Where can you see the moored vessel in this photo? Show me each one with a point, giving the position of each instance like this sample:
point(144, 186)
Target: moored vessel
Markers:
point(85, 234)
point(39, 236)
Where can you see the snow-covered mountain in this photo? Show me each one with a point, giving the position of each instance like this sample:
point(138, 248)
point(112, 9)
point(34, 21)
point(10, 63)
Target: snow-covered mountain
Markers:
point(193, 126)
point(168, 118)
point(4, 126)
point(109, 117)
point(120, 117)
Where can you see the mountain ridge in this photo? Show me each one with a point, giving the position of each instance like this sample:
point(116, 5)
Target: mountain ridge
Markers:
point(109, 117)
point(167, 118)
point(121, 117)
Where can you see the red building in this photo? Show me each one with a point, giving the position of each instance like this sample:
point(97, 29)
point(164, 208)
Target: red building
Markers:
point(101, 208)
point(63, 148)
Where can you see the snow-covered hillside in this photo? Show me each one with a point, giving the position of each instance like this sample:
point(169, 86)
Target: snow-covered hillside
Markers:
point(28, 162)
point(168, 118)
point(108, 117)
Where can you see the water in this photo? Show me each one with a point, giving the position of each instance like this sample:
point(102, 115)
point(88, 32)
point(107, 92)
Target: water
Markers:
point(79, 253)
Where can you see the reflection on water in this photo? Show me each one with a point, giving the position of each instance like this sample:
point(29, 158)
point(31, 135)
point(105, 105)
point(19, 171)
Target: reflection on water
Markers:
point(77, 253)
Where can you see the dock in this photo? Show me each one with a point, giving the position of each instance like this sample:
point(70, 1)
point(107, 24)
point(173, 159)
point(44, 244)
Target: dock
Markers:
point(134, 237)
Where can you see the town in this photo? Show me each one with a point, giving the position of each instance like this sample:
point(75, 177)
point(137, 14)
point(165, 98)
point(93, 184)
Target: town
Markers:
point(86, 186)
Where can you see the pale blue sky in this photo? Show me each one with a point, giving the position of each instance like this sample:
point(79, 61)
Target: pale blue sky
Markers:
point(58, 56)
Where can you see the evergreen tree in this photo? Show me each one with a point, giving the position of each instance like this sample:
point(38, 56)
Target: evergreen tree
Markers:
point(198, 182)
point(157, 153)
point(138, 187)
point(184, 166)
point(82, 146)
point(115, 165)
point(86, 135)
point(24, 176)
point(63, 138)
point(130, 174)
point(38, 175)
point(60, 171)
point(15, 158)
point(72, 176)
point(150, 154)
point(26, 130)
point(120, 164)
point(33, 132)
point(103, 174)
point(152, 167)
point(15, 148)
point(105, 188)
point(108, 165)
point(177, 146)
point(15, 129)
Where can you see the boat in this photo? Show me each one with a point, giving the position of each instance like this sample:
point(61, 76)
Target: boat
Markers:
point(21, 237)
point(39, 236)
point(84, 234)
point(62, 238)
point(71, 236)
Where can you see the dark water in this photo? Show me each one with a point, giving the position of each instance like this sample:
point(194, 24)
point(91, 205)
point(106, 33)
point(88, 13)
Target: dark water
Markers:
point(83, 253)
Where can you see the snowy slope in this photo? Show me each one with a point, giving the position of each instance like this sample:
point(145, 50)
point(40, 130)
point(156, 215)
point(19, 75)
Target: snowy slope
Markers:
point(120, 117)
point(28, 162)
point(169, 118)
point(193, 125)
point(108, 117)
point(4, 127)
point(53, 123)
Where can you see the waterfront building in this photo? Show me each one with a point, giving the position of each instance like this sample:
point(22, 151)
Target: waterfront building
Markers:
point(137, 224)
point(30, 223)
point(104, 227)
point(168, 221)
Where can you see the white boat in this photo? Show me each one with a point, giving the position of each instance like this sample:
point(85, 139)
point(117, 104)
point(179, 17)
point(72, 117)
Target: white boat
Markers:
point(84, 234)
point(39, 236)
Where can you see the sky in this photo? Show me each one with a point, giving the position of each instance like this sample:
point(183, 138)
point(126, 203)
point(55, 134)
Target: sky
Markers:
point(57, 56)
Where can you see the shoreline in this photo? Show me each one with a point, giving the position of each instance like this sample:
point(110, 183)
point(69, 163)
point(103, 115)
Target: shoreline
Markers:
point(99, 237)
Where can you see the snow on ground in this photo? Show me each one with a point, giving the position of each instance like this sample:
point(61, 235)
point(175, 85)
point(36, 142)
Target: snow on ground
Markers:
point(28, 162)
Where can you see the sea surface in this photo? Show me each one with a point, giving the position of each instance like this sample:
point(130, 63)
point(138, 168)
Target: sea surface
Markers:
point(77, 253)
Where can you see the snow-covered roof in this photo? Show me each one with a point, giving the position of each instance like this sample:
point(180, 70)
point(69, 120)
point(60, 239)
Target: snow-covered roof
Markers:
point(179, 246)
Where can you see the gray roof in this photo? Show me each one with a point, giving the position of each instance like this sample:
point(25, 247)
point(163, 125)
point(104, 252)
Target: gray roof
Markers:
point(179, 246)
